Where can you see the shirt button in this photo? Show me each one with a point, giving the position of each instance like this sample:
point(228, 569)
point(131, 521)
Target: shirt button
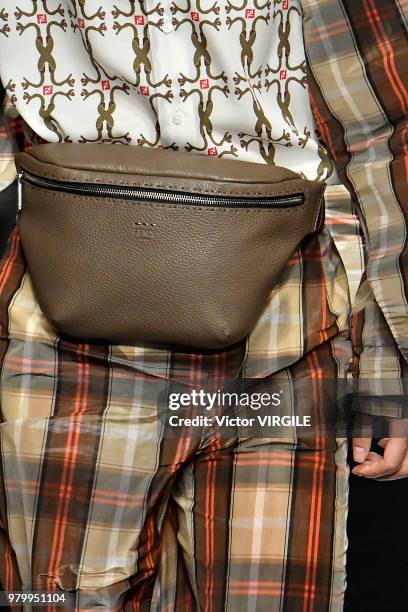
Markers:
point(167, 27)
point(178, 118)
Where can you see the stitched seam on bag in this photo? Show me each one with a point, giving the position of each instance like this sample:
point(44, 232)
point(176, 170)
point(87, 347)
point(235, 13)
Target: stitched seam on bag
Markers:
point(171, 186)
point(289, 210)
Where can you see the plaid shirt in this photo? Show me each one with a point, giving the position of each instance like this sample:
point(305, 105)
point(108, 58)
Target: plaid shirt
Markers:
point(356, 58)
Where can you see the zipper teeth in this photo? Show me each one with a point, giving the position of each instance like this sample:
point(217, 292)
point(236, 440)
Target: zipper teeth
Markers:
point(164, 196)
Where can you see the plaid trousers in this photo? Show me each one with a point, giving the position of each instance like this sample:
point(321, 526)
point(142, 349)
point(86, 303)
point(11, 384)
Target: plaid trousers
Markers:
point(96, 500)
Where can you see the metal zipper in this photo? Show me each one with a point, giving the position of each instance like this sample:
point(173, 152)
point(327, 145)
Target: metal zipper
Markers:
point(155, 195)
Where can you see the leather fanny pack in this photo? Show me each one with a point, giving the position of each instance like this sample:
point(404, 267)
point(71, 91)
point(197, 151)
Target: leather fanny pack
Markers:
point(131, 245)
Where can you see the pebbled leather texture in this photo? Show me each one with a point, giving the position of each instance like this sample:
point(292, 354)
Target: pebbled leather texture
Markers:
point(137, 272)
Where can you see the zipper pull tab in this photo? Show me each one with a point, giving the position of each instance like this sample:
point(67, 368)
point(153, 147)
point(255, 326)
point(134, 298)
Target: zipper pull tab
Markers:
point(19, 190)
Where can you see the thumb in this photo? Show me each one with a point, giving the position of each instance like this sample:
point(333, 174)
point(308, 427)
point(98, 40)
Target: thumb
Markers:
point(362, 436)
point(361, 448)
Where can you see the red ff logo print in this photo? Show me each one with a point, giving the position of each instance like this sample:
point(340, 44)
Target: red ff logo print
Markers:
point(144, 90)
point(41, 18)
point(282, 75)
point(250, 13)
point(47, 90)
point(284, 4)
point(105, 85)
point(204, 84)
point(195, 16)
point(81, 23)
point(139, 20)
point(212, 151)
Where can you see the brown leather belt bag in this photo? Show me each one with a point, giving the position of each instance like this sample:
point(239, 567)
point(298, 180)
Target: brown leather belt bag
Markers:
point(132, 245)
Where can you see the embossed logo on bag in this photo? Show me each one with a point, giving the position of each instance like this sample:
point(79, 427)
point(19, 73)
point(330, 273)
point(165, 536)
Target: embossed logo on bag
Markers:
point(144, 229)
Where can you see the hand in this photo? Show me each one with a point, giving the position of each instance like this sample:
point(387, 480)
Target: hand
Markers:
point(394, 463)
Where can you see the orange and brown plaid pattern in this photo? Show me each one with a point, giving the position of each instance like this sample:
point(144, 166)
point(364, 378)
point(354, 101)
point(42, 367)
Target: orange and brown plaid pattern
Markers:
point(357, 57)
point(100, 500)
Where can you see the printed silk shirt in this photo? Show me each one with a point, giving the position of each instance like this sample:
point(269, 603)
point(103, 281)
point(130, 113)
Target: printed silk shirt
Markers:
point(317, 86)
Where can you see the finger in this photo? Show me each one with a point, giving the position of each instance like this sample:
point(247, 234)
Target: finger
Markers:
point(372, 458)
point(394, 453)
point(401, 473)
point(370, 469)
point(362, 436)
point(397, 476)
point(390, 463)
point(383, 442)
